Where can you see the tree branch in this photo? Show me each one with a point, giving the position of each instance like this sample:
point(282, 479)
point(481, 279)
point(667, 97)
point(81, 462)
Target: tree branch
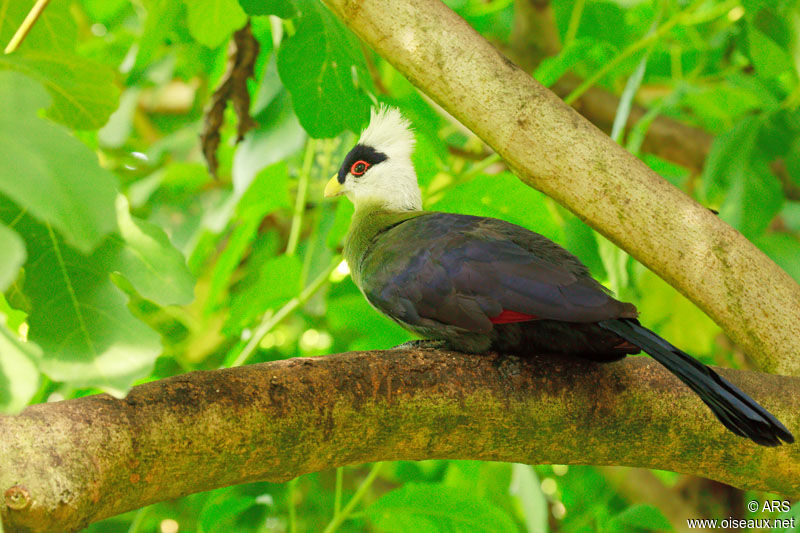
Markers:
point(71, 463)
point(555, 150)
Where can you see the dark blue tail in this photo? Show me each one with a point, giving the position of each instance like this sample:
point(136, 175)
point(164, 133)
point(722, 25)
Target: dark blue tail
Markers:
point(735, 409)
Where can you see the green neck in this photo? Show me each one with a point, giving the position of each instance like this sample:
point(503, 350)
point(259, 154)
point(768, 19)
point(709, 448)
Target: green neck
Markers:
point(367, 223)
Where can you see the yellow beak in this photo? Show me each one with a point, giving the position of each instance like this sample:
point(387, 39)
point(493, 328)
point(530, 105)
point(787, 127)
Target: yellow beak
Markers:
point(333, 188)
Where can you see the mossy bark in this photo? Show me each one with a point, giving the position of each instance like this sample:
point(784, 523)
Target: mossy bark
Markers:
point(67, 464)
point(555, 150)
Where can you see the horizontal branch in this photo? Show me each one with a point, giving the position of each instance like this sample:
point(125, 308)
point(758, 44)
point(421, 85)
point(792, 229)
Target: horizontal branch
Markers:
point(555, 150)
point(71, 463)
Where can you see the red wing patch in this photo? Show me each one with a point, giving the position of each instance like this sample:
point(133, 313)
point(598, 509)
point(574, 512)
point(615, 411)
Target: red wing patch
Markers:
point(625, 345)
point(507, 317)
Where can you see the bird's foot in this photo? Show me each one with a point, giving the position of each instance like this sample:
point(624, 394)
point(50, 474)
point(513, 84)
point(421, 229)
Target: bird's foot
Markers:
point(422, 344)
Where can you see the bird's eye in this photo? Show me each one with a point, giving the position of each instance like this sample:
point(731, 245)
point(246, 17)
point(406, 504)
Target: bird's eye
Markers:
point(358, 168)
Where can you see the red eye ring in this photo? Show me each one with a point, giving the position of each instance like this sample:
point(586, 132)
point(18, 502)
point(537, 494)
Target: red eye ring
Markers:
point(359, 167)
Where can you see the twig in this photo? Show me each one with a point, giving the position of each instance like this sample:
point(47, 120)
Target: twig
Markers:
point(27, 24)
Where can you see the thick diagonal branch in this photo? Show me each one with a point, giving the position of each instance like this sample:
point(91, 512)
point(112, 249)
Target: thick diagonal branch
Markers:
point(553, 149)
point(67, 464)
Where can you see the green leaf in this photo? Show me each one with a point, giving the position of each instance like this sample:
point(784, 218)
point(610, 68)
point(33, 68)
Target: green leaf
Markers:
point(268, 192)
point(82, 91)
point(212, 21)
point(769, 59)
point(143, 254)
point(49, 172)
point(280, 8)
point(605, 21)
point(729, 157)
point(162, 16)
point(12, 257)
point(674, 317)
point(737, 179)
point(322, 68)
point(433, 508)
point(268, 284)
point(642, 517)
point(752, 201)
point(551, 69)
point(78, 317)
point(220, 513)
point(526, 489)
point(19, 378)
point(782, 248)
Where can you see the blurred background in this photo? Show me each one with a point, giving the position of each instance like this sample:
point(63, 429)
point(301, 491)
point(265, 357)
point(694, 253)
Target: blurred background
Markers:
point(220, 253)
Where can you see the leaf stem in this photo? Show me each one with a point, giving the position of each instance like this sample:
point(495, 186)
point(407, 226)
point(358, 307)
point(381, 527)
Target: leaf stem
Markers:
point(337, 498)
point(348, 509)
point(574, 21)
point(271, 320)
point(292, 511)
point(27, 24)
point(300, 201)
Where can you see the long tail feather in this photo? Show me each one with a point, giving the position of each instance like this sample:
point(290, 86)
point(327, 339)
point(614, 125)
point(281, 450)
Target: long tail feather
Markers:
point(735, 409)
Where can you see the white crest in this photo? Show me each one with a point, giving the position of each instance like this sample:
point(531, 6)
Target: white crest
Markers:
point(391, 183)
point(388, 132)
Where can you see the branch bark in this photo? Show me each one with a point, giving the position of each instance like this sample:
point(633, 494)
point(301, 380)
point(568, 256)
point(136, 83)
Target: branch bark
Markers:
point(71, 463)
point(555, 150)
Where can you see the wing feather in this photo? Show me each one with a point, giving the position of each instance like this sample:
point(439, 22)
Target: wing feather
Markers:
point(460, 270)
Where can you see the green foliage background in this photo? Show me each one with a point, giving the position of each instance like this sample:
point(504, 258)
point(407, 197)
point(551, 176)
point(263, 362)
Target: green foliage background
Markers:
point(124, 261)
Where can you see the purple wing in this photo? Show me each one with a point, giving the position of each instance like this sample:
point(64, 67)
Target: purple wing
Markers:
point(463, 271)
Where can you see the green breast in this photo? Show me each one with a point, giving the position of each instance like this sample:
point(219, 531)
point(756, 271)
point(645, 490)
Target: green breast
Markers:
point(367, 225)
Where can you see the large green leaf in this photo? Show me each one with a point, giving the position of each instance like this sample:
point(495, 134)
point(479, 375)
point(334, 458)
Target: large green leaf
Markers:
point(77, 316)
point(212, 21)
point(47, 171)
point(268, 192)
point(432, 508)
point(82, 91)
point(268, 284)
point(327, 91)
point(162, 16)
point(736, 178)
point(19, 377)
point(12, 257)
point(142, 253)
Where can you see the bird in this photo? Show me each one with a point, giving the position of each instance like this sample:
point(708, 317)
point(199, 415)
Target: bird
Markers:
point(480, 284)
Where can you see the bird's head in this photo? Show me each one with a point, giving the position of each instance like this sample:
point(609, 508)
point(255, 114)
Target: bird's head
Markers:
point(378, 170)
